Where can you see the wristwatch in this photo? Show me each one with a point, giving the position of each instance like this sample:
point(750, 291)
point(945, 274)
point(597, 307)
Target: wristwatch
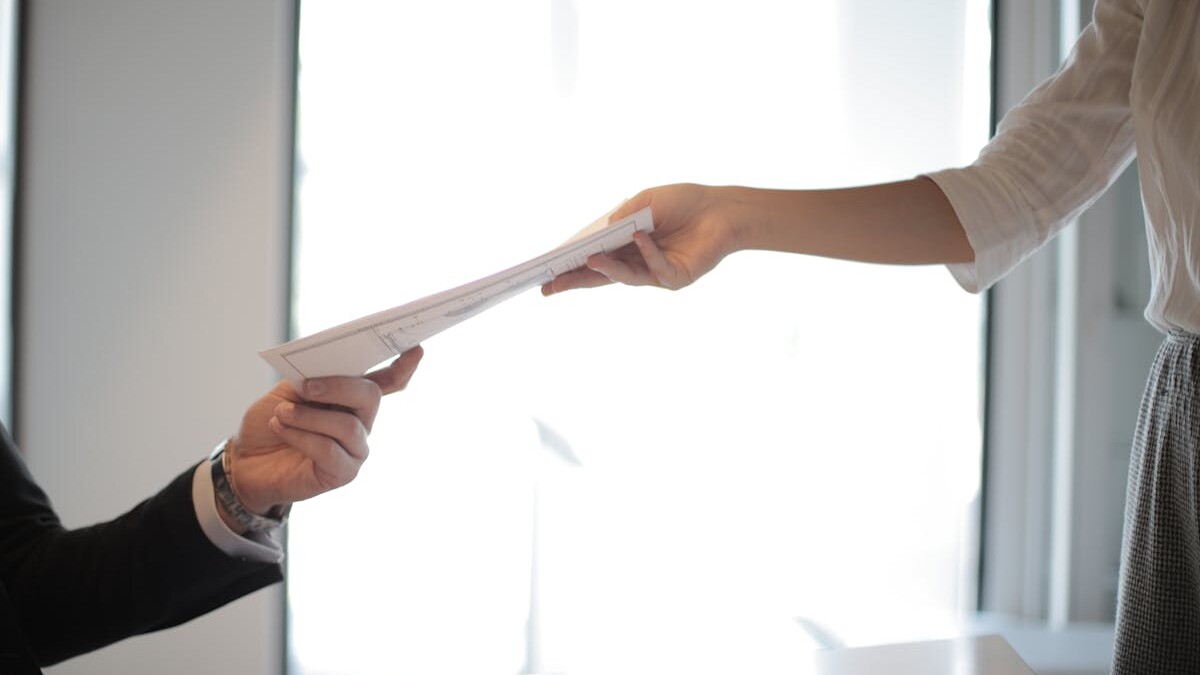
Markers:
point(223, 488)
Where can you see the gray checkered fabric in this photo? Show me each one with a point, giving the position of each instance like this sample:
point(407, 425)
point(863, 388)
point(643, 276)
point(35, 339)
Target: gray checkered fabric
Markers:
point(1158, 607)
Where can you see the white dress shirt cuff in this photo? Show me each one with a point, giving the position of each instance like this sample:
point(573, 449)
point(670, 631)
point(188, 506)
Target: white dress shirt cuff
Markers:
point(257, 546)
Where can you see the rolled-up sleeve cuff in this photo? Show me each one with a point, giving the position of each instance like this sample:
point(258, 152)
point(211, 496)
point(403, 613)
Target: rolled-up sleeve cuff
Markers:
point(259, 546)
point(993, 221)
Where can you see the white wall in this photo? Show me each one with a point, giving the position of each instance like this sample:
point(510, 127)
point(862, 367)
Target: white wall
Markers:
point(154, 233)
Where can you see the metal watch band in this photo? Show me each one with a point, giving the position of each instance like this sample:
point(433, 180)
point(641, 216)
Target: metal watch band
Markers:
point(223, 489)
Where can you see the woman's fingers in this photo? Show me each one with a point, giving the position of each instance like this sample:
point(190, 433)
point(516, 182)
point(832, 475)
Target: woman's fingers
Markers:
point(616, 268)
point(665, 274)
point(631, 206)
point(579, 278)
point(644, 264)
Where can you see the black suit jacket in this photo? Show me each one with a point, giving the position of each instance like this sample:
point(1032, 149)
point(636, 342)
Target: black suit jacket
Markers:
point(65, 592)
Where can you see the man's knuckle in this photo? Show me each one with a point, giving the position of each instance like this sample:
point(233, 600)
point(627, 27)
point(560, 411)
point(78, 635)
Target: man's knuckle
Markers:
point(350, 427)
point(330, 449)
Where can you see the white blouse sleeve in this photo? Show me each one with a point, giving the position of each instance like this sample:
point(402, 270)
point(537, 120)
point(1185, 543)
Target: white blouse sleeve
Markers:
point(1054, 153)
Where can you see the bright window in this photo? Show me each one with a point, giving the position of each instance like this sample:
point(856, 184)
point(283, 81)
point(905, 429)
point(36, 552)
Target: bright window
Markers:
point(786, 452)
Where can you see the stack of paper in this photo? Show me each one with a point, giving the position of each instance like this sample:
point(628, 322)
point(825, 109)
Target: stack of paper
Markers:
point(354, 347)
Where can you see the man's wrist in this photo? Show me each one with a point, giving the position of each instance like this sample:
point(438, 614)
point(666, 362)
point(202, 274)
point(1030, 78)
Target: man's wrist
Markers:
point(234, 513)
point(230, 522)
point(256, 546)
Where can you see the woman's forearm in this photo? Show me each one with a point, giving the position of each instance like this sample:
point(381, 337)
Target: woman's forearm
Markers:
point(908, 222)
point(696, 226)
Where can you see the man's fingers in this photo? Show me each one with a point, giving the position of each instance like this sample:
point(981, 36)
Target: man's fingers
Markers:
point(397, 375)
point(360, 395)
point(357, 395)
point(333, 467)
point(344, 428)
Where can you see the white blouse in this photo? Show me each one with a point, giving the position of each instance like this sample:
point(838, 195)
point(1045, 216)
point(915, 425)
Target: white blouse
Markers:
point(1131, 84)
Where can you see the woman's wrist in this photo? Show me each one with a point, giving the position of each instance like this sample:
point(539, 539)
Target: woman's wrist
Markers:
point(749, 214)
point(728, 203)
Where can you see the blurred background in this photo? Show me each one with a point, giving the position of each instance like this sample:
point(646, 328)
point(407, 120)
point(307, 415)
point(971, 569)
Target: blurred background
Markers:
point(793, 454)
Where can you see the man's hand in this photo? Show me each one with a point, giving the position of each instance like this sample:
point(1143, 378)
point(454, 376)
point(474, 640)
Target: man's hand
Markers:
point(693, 231)
point(293, 445)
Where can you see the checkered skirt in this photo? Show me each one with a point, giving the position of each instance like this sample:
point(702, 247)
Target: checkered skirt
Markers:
point(1158, 606)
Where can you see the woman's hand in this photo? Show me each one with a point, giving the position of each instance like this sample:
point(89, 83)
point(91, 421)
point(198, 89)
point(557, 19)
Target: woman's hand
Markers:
point(694, 228)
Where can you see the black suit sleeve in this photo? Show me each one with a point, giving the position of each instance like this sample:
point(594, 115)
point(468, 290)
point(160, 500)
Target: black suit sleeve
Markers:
point(77, 590)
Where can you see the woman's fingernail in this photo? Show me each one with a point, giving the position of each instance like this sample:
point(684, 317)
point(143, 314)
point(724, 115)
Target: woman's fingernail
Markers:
point(314, 387)
point(285, 410)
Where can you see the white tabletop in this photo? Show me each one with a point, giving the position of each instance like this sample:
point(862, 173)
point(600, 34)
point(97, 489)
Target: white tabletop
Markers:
point(976, 655)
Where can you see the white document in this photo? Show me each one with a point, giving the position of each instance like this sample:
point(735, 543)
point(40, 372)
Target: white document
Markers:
point(354, 347)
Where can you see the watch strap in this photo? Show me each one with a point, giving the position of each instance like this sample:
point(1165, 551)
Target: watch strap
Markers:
point(223, 489)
